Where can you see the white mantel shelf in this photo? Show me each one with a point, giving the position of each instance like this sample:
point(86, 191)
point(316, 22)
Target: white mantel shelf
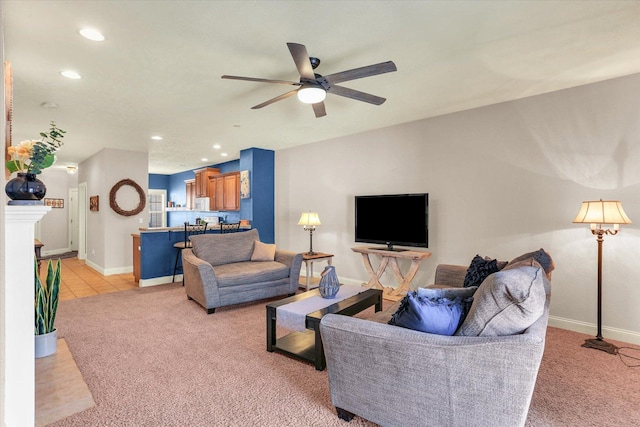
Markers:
point(17, 318)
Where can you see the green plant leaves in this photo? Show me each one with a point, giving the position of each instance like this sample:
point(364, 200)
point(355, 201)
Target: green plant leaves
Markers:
point(46, 297)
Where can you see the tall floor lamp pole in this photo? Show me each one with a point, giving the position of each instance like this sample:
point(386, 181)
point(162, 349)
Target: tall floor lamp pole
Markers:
point(597, 213)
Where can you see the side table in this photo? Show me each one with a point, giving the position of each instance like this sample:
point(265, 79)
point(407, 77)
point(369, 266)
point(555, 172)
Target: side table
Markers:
point(309, 259)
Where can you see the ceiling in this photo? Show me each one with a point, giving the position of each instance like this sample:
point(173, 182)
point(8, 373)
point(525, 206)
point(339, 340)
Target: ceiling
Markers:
point(158, 71)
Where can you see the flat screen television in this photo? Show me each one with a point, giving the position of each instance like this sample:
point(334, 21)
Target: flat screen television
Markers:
point(393, 219)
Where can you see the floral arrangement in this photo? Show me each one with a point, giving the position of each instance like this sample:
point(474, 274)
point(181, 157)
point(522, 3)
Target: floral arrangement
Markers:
point(31, 156)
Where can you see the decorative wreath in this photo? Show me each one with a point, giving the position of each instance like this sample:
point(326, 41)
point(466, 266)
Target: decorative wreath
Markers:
point(114, 204)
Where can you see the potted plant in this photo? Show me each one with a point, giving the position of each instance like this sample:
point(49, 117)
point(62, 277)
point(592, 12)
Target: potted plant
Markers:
point(46, 305)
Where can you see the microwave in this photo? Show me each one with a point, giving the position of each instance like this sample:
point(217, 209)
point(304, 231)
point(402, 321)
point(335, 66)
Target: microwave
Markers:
point(201, 204)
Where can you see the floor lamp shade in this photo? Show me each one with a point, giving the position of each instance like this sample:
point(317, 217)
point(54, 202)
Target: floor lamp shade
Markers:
point(596, 213)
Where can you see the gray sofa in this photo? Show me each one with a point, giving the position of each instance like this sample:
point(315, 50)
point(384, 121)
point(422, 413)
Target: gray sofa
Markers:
point(218, 270)
point(401, 377)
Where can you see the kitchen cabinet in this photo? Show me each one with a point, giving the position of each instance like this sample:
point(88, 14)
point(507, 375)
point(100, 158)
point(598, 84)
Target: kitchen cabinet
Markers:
point(224, 192)
point(191, 192)
point(136, 257)
point(202, 180)
point(231, 189)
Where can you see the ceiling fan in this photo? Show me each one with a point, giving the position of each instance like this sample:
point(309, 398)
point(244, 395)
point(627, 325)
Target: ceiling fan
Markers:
point(312, 87)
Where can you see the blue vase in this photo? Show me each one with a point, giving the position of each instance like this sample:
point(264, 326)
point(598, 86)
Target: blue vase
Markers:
point(25, 189)
point(329, 283)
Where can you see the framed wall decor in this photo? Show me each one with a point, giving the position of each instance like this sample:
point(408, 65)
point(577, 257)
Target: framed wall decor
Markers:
point(94, 205)
point(54, 203)
point(245, 188)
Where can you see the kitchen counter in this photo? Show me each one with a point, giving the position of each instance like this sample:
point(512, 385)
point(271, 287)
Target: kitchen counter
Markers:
point(181, 228)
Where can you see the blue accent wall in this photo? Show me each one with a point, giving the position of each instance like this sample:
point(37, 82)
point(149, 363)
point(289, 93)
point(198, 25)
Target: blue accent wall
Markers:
point(158, 254)
point(260, 206)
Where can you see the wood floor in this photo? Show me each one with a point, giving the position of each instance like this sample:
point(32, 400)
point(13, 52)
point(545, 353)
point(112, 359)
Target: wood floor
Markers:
point(60, 388)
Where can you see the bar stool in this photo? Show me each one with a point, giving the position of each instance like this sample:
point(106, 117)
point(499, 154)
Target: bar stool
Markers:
point(229, 227)
point(189, 230)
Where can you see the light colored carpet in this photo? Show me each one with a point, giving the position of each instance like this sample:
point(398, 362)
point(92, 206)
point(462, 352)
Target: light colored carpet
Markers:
point(152, 358)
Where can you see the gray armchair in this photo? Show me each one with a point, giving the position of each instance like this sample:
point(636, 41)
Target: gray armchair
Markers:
point(400, 377)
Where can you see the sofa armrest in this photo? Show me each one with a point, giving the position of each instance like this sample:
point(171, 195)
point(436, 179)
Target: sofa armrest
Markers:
point(294, 262)
point(396, 376)
point(450, 275)
point(200, 282)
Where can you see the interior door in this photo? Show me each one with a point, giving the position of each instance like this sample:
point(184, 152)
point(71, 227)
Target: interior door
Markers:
point(74, 224)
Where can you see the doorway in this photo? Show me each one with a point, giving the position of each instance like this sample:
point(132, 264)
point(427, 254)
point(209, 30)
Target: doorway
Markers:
point(74, 226)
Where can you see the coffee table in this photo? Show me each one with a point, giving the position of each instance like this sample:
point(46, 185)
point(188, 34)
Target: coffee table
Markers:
point(308, 345)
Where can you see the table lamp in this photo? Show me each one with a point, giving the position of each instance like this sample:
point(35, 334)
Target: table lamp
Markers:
point(597, 213)
point(309, 220)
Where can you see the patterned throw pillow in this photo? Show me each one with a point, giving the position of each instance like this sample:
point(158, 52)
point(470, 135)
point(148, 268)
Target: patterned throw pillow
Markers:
point(479, 269)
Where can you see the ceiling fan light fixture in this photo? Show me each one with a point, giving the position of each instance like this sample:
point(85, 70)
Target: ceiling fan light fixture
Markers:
point(311, 94)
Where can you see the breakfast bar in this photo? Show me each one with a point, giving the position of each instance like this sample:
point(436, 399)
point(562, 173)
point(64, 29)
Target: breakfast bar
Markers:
point(156, 253)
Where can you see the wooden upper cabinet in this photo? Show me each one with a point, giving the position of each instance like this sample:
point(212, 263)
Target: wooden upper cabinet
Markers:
point(232, 192)
point(191, 193)
point(202, 180)
point(224, 192)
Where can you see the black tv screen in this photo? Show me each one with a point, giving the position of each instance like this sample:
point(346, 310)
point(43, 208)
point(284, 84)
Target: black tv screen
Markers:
point(393, 219)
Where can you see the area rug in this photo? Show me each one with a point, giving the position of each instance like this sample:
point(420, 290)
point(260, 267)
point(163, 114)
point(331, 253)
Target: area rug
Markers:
point(71, 254)
point(153, 358)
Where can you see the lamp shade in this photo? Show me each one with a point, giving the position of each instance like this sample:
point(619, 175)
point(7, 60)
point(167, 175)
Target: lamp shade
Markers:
point(602, 212)
point(309, 218)
point(311, 94)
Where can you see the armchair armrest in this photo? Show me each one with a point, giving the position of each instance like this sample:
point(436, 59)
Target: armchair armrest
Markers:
point(396, 376)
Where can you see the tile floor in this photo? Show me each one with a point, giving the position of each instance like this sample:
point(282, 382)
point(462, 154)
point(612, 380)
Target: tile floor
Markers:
point(79, 281)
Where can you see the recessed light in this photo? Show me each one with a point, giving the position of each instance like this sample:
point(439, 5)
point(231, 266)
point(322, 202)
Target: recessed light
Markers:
point(71, 74)
point(224, 154)
point(156, 138)
point(217, 146)
point(204, 159)
point(91, 34)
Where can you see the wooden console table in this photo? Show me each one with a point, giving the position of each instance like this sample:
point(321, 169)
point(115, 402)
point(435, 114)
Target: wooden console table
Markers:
point(391, 258)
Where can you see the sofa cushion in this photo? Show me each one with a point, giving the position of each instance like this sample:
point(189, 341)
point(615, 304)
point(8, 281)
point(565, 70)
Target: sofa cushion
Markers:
point(218, 249)
point(263, 251)
point(241, 273)
point(542, 257)
point(479, 269)
point(506, 303)
point(428, 311)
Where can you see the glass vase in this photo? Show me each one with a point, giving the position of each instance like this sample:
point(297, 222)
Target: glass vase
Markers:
point(25, 189)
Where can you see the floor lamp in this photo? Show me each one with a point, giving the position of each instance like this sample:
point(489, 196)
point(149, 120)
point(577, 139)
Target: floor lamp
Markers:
point(309, 221)
point(597, 213)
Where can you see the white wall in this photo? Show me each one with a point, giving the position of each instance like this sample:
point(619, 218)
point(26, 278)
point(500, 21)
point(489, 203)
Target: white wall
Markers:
point(109, 247)
point(54, 227)
point(502, 180)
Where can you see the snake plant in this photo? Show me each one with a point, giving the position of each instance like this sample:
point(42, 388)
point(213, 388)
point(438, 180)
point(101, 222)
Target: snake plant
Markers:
point(46, 298)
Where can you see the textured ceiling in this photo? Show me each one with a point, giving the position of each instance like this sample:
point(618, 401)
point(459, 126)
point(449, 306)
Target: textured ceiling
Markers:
point(158, 71)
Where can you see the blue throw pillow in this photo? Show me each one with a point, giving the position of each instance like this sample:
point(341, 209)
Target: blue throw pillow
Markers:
point(440, 316)
point(479, 269)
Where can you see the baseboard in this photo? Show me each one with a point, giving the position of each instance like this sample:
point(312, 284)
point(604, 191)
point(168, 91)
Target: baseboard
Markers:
point(631, 337)
point(108, 271)
point(159, 281)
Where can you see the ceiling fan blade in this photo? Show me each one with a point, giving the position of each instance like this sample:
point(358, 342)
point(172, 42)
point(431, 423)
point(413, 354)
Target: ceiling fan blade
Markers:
point(318, 109)
point(358, 73)
point(356, 94)
point(276, 99)
point(301, 58)
point(254, 79)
